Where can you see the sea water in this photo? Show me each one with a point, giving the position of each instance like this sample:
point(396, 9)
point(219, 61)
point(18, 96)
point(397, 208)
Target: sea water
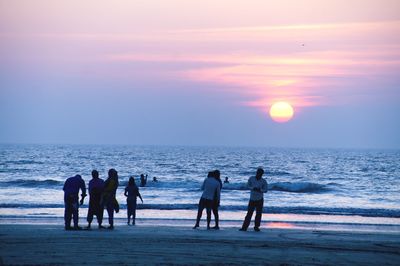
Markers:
point(318, 182)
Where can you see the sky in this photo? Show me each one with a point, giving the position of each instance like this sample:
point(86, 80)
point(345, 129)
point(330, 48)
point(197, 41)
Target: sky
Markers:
point(183, 72)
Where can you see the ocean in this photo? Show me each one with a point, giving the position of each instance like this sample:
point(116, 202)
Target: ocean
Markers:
point(312, 182)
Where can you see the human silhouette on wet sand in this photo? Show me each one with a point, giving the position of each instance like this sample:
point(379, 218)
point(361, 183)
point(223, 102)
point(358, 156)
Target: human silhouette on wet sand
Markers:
point(96, 187)
point(71, 200)
point(109, 200)
point(258, 186)
point(131, 193)
point(211, 192)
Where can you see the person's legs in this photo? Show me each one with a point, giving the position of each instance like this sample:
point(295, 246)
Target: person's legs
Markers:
point(100, 214)
point(89, 217)
point(216, 215)
point(247, 219)
point(129, 203)
point(199, 212)
point(75, 214)
point(110, 212)
point(208, 217)
point(259, 209)
point(134, 212)
point(67, 214)
point(209, 206)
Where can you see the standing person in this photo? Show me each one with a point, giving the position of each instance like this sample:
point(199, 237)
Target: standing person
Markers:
point(108, 198)
point(211, 189)
point(217, 198)
point(71, 200)
point(131, 193)
point(143, 180)
point(96, 186)
point(258, 186)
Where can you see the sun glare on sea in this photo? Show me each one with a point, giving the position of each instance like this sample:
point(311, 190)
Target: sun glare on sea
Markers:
point(281, 112)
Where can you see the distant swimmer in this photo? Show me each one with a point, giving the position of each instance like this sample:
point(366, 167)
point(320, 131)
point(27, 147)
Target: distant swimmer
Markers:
point(71, 200)
point(143, 180)
point(131, 193)
point(155, 179)
point(258, 186)
point(226, 181)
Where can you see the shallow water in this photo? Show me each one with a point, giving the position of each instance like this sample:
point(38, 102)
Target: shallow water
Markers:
point(301, 181)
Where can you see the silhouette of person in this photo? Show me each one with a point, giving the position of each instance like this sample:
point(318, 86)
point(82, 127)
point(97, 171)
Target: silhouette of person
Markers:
point(96, 186)
point(71, 200)
point(211, 188)
point(131, 193)
point(258, 186)
point(226, 181)
point(217, 197)
point(143, 180)
point(108, 198)
point(155, 179)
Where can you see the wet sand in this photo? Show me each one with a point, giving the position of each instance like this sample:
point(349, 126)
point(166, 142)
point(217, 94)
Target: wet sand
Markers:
point(149, 245)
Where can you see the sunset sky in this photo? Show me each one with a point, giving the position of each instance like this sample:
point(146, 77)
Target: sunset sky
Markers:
point(200, 72)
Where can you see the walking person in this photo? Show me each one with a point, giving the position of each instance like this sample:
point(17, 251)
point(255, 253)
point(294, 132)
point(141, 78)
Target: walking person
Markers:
point(131, 193)
point(217, 199)
point(211, 189)
point(71, 200)
point(258, 186)
point(96, 187)
point(108, 198)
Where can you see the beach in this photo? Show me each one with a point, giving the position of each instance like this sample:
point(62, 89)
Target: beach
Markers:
point(50, 244)
point(323, 207)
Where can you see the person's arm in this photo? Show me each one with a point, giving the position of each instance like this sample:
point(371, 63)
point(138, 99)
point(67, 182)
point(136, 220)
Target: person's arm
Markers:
point(126, 192)
point(264, 187)
point(140, 197)
point(251, 185)
point(204, 184)
point(218, 194)
point(83, 188)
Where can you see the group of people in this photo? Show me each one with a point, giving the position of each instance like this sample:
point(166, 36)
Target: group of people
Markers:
point(103, 196)
point(210, 199)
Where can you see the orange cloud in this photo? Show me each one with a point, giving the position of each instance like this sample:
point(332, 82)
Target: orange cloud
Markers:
point(301, 64)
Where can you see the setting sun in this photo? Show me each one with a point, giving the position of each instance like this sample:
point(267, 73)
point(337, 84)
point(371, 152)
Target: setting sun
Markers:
point(281, 112)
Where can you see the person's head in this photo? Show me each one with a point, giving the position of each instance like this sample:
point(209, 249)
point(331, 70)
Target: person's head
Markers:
point(142, 176)
point(112, 173)
point(131, 181)
point(79, 176)
point(259, 173)
point(226, 178)
point(95, 174)
point(210, 174)
point(217, 174)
